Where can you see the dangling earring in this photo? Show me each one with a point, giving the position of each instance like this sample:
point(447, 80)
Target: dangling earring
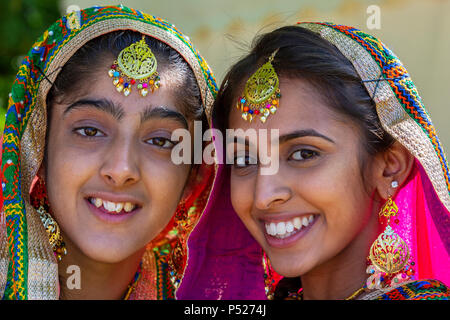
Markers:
point(53, 232)
point(39, 200)
point(389, 253)
point(269, 281)
point(178, 254)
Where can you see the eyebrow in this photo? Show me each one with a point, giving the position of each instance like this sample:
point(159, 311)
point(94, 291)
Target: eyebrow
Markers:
point(303, 133)
point(162, 112)
point(102, 104)
point(286, 137)
point(118, 112)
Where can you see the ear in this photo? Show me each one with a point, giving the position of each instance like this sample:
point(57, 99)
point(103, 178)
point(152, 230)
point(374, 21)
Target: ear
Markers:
point(394, 164)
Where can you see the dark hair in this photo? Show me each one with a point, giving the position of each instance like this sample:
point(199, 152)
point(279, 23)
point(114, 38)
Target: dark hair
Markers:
point(84, 64)
point(305, 55)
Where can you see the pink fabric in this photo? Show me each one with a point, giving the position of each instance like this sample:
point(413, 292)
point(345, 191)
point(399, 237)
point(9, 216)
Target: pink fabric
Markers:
point(224, 261)
point(425, 226)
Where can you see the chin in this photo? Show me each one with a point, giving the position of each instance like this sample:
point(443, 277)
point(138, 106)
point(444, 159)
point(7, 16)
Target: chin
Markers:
point(286, 265)
point(108, 250)
point(287, 271)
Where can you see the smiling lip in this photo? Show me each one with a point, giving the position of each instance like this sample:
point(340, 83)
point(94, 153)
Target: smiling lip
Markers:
point(112, 208)
point(283, 232)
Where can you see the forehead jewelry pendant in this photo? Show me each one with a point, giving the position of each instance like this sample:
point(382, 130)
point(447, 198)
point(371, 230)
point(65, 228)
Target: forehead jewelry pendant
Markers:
point(261, 93)
point(136, 64)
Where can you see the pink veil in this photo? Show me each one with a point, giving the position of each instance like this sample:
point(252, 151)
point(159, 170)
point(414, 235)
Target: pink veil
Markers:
point(425, 226)
point(224, 261)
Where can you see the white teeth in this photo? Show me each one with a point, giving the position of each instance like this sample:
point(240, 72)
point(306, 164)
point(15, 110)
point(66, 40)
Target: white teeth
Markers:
point(98, 202)
point(267, 228)
point(128, 206)
point(286, 229)
point(281, 228)
point(114, 207)
point(289, 226)
point(109, 206)
point(305, 221)
point(272, 229)
point(297, 223)
point(119, 207)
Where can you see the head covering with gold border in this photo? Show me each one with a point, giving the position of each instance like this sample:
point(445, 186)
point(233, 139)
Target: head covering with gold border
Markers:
point(424, 198)
point(28, 268)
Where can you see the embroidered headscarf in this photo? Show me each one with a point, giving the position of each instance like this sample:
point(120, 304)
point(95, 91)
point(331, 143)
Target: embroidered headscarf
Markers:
point(28, 268)
point(423, 199)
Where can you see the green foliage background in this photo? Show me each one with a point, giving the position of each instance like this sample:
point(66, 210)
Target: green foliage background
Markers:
point(21, 23)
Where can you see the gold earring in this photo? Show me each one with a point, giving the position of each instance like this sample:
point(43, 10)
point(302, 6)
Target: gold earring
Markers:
point(389, 253)
point(53, 233)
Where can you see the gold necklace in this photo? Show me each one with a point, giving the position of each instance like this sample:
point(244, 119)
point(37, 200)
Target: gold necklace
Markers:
point(356, 293)
point(299, 295)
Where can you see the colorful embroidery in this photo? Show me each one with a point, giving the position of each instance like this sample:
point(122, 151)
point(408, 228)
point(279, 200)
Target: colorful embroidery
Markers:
point(22, 103)
point(164, 288)
point(419, 290)
point(401, 84)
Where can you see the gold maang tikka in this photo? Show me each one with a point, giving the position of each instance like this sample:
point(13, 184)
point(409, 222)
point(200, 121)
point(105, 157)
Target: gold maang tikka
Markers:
point(261, 93)
point(135, 64)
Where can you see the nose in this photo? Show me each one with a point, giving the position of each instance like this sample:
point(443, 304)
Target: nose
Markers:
point(120, 166)
point(271, 191)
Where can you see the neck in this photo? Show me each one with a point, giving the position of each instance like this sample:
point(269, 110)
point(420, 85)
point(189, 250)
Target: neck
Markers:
point(82, 278)
point(343, 275)
point(334, 280)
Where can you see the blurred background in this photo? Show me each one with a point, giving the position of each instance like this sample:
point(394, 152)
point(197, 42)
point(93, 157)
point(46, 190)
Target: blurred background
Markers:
point(416, 30)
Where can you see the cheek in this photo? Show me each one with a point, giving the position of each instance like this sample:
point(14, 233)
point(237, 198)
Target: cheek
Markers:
point(66, 157)
point(333, 182)
point(161, 176)
point(164, 183)
point(67, 168)
point(336, 190)
point(66, 164)
point(241, 192)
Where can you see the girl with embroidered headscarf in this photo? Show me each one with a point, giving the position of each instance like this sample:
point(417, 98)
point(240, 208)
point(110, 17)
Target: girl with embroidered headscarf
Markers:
point(359, 205)
point(93, 205)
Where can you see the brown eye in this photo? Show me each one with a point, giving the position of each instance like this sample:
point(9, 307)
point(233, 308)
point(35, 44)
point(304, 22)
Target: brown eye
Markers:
point(89, 132)
point(303, 154)
point(161, 142)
